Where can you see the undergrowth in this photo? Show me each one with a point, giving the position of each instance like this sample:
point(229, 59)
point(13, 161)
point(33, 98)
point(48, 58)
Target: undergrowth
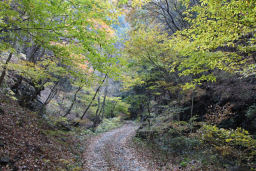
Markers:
point(108, 124)
point(197, 145)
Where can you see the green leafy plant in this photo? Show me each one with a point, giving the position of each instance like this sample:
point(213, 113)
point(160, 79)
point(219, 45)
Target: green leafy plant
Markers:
point(108, 124)
point(183, 164)
point(115, 106)
point(230, 144)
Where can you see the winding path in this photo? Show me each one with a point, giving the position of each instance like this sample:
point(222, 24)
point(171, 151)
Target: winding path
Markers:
point(110, 152)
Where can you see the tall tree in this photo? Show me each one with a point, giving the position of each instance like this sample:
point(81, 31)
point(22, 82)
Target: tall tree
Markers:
point(94, 96)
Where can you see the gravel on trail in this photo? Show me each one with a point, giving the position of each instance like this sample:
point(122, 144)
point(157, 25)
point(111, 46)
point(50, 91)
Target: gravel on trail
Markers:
point(111, 151)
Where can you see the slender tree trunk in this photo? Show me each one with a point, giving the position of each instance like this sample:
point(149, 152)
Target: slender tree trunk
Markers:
point(88, 107)
point(5, 69)
point(50, 97)
point(149, 113)
point(112, 111)
point(95, 94)
point(52, 94)
point(73, 101)
point(192, 104)
point(62, 107)
point(148, 106)
point(171, 17)
point(98, 109)
point(32, 54)
point(103, 103)
point(192, 108)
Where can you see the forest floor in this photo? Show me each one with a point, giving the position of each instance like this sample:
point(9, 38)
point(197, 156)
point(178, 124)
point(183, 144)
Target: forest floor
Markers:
point(28, 142)
point(116, 151)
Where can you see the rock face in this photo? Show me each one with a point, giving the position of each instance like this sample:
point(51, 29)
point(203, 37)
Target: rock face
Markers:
point(25, 91)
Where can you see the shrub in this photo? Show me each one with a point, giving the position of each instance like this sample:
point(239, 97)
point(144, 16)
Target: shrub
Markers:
point(183, 144)
point(108, 124)
point(230, 144)
point(114, 107)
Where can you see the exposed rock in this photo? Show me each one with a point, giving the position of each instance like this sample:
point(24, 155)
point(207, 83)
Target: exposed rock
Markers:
point(26, 92)
point(22, 56)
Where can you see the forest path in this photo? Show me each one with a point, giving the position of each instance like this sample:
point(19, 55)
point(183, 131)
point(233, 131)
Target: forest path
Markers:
point(111, 151)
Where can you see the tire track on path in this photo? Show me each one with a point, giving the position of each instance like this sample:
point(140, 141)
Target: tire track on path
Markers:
point(110, 152)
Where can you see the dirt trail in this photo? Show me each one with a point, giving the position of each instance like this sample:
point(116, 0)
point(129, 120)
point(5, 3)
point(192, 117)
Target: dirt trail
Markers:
point(110, 152)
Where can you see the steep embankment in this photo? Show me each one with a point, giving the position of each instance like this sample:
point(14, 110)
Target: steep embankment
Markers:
point(28, 142)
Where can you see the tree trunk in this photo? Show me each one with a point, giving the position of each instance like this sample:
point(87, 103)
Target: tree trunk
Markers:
point(52, 94)
point(192, 104)
point(103, 103)
point(112, 111)
point(98, 109)
point(98, 89)
point(50, 97)
point(73, 101)
point(192, 108)
point(5, 69)
point(32, 54)
point(149, 113)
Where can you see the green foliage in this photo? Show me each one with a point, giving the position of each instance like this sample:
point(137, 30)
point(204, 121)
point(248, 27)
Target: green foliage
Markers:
point(215, 25)
point(122, 108)
point(146, 49)
point(183, 164)
point(77, 33)
point(10, 94)
point(136, 103)
point(219, 35)
point(115, 106)
point(108, 124)
point(183, 144)
point(232, 144)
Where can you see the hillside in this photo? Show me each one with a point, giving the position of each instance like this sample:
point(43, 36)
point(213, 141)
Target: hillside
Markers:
point(29, 142)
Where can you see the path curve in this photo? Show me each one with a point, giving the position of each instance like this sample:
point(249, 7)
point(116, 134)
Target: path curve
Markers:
point(110, 151)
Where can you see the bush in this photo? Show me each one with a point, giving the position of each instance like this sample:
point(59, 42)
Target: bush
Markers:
point(108, 124)
point(235, 145)
point(114, 107)
point(184, 144)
